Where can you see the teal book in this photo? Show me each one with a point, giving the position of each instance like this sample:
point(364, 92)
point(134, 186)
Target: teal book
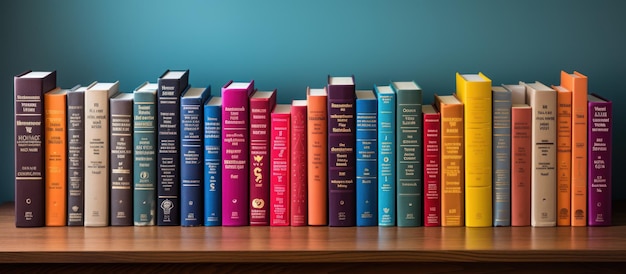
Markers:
point(213, 162)
point(144, 159)
point(386, 155)
point(501, 153)
point(408, 153)
point(366, 159)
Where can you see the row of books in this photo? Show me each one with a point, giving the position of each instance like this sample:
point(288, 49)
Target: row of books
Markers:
point(172, 154)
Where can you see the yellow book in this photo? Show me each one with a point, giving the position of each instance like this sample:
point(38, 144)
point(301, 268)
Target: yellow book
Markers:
point(474, 91)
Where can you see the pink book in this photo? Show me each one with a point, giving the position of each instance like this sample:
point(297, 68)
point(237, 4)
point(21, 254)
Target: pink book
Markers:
point(521, 146)
point(298, 163)
point(261, 105)
point(235, 124)
point(280, 157)
point(432, 162)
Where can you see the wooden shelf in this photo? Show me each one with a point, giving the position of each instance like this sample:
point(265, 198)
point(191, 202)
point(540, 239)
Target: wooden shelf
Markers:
point(304, 245)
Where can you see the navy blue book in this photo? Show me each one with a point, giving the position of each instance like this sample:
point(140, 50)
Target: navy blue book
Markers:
point(213, 162)
point(366, 158)
point(192, 155)
point(171, 85)
point(386, 155)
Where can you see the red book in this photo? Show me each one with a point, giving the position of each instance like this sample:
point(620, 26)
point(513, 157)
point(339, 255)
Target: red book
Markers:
point(261, 105)
point(280, 157)
point(521, 146)
point(298, 163)
point(432, 163)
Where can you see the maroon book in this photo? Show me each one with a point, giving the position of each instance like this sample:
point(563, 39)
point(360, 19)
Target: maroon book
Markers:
point(599, 145)
point(432, 163)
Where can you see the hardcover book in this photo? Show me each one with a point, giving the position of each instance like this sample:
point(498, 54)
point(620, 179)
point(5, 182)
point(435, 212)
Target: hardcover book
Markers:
point(521, 147)
point(298, 161)
point(386, 186)
point(55, 156)
point(564, 155)
point(75, 155)
point(144, 154)
point(192, 155)
point(474, 90)
point(432, 163)
point(213, 162)
point(261, 105)
point(29, 88)
point(600, 114)
point(317, 161)
point(280, 165)
point(409, 182)
point(366, 158)
point(501, 149)
point(341, 151)
point(542, 100)
point(97, 152)
point(452, 160)
point(121, 160)
point(235, 156)
point(171, 85)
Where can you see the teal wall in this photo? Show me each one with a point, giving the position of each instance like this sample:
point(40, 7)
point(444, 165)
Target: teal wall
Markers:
point(289, 45)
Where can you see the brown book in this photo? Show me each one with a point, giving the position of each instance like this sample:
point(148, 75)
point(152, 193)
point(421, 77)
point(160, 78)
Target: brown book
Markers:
point(521, 115)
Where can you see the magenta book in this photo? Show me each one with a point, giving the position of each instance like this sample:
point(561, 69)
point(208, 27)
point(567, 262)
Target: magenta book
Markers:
point(235, 141)
point(599, 145)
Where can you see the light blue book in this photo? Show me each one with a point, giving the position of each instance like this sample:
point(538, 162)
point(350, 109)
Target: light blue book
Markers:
point(501, 155)
point(386, 155)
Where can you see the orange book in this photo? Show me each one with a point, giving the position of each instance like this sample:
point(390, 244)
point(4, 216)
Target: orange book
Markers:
point(316, 157)
point(452, 161)
point(55, 157)
point(577, 84)
point(563, 155)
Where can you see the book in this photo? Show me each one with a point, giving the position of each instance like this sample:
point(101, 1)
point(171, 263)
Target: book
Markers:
point(577, 83)
point(317, 161)
point(432, 163)
point(144, 154)
point(542, 100)
point(28, 90)
point(564, 155)
point(408, 153)
point(341, 151)
point(171, 85)
point(366, 158)
point(97, 152)
point(121, 159)
point(213, 162)
point(298, 162)
point(501, 155)
point(521, 147)
point(386, 186)
point(261, 105)
point(452, 160)
point(280, 155)
point(55, 152)
point(76, 155)
point(192, 155)
point(474, 90)
point(235, 156)
point(600, 145)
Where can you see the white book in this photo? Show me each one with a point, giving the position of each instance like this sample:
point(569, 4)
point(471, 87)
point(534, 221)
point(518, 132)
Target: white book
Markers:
point(97, 153)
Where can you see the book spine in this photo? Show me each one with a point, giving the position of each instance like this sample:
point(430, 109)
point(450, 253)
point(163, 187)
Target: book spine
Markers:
point(213, 165)
point(168, 153)
point(280, 157)
point(432, 171)
point(29, 149)
point(55, 158)
point(341, 156)
point(386, 159)
point(260, 111)
point(317, 149)
point(501, 149)
point(521, 146)
point(600, 144)
point(366, 162)
point(235, 142)
point(452, 166)
point(121, 161)
point(75, 157)
point(145, 171)
point(192, 162)
point(564, 157)
point(298, 166)
point(409, 157)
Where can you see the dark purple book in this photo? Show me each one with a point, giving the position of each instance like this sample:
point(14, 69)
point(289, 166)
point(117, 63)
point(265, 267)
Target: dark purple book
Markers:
point(341, 151)
point(599, 145)
point(29, 88)
point(121, 159)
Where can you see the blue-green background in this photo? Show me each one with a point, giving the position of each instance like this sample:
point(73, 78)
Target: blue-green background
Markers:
point(290, 45)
